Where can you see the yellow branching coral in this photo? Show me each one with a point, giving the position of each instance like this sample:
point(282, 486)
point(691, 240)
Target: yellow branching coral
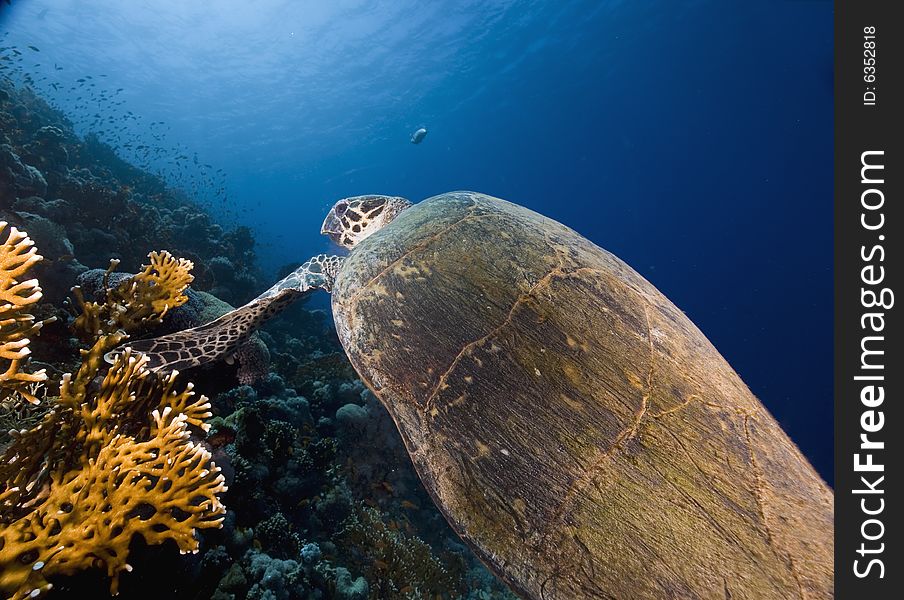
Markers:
point(109, 462)
point(17, 324)
point(140, 300)
point(161, 284)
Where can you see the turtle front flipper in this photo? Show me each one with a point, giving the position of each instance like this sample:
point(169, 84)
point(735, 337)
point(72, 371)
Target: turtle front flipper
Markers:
point(220, 338)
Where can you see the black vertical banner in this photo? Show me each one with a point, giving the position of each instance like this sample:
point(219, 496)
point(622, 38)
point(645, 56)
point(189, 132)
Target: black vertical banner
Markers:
point(869, 367)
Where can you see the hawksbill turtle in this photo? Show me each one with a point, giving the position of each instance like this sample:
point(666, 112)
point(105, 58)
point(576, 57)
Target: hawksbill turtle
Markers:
point(572, 424)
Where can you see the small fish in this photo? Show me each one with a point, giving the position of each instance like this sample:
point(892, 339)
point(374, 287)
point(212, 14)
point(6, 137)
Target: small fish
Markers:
point(33, 48)
point(418, 136)
point(409, 505)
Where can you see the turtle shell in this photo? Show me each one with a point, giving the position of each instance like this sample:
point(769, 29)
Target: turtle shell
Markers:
point(574, 427)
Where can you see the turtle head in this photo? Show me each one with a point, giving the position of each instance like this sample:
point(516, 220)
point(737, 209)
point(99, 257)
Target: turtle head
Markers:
point(353, 219)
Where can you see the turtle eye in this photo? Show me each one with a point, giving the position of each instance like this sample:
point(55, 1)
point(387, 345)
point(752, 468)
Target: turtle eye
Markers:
point(340, 208)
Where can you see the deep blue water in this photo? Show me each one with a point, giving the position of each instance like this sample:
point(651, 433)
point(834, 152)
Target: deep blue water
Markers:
point(693, 139)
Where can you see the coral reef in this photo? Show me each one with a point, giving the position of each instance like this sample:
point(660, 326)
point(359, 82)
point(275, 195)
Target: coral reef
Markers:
point(85, 206)
point(398, 564)
point(322, 487)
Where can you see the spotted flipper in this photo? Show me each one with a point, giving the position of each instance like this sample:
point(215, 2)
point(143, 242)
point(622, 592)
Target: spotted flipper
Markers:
point(220, 338)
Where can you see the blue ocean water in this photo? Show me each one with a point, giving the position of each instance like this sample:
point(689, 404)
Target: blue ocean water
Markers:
point(692, 139)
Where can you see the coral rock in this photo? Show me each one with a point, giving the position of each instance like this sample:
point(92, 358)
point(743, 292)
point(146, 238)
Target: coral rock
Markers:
point(18, 179)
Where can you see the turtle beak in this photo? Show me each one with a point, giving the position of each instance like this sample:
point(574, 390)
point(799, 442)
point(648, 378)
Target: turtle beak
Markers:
point(332, 227)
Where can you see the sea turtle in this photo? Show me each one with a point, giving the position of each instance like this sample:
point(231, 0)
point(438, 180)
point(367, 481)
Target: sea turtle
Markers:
point(572, 424)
